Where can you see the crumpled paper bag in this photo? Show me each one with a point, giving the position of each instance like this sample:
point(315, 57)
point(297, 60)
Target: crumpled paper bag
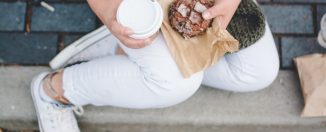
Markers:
point(200, 52)
point(312, 74)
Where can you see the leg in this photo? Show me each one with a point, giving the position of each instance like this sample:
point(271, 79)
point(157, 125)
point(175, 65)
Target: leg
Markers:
point(250, 69)
point(147, 78)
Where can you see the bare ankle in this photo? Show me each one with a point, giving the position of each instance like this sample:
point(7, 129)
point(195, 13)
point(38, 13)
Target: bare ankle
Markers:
point(52, 86)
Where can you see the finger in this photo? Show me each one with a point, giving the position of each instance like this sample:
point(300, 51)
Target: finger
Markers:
point(119, 29)
point(213, 12)
point(223, 21)
point(226, 21)
point(135, 43)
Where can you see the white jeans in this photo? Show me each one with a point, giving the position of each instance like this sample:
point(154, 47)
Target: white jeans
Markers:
point(149, 77)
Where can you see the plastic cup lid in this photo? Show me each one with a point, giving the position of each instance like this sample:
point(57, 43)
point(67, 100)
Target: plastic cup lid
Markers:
point(139, 15)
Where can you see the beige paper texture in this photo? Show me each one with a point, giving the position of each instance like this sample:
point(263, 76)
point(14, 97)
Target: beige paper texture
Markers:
point(312, 73)
point(198, 53)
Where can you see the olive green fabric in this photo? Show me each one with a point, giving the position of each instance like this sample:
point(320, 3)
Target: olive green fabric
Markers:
point(247, 24)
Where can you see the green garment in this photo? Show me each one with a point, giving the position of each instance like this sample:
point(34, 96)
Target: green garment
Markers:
point(247, 24)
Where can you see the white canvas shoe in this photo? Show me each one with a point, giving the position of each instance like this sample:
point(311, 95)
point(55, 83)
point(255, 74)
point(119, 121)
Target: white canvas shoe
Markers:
point(52, 116)
point(322, 33)
point(96, 44)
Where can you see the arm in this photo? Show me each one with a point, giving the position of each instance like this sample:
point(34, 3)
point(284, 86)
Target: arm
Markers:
point(106, 11)
point(224, 9)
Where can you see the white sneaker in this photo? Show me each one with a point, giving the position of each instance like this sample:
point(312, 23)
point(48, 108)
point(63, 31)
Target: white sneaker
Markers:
point(52, 116)
point(322, 33)
point(96, 44)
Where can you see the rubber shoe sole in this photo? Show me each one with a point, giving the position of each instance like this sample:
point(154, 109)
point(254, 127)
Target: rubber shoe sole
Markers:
point(35, 85)
point(79, 45)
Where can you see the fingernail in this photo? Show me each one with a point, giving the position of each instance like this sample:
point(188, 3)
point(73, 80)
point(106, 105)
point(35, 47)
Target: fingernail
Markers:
point(206, 15)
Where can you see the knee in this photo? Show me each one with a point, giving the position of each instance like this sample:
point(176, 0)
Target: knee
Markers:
point(266, 77)
point(178, 91)
point(261, 80)
point(262, 83)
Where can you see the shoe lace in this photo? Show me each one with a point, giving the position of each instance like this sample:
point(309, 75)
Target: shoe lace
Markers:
point(58, 116)
point(79, 110)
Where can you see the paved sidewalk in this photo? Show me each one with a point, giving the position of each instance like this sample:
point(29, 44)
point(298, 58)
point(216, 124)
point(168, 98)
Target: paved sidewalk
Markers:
point(276, 108)
point(32, 35)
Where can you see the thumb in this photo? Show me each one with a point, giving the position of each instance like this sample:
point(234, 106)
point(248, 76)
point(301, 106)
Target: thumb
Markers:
point(213, 12)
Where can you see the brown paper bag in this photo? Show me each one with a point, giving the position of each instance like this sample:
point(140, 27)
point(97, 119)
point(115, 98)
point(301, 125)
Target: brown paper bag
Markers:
point(312, 73)
point(198, 53)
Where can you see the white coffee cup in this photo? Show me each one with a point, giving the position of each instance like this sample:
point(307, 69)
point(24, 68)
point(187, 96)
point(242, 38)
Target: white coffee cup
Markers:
point(144, 17)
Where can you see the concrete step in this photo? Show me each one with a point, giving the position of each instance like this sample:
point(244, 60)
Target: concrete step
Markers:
point(276, 108)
